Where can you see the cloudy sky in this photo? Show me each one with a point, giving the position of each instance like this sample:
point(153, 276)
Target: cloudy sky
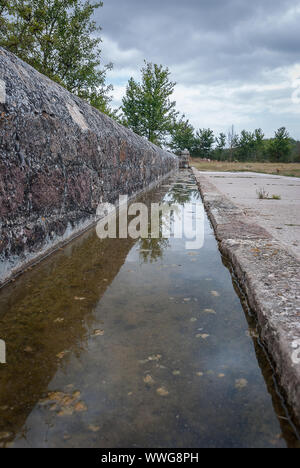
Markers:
point(234, 61)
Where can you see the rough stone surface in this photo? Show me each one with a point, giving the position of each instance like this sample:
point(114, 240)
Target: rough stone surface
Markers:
point(280, 217)
point(59, 158)
point(270, 276)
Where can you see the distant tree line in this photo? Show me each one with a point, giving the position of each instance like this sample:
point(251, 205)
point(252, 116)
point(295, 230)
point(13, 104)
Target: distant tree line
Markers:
point(148, 109)
point(246, 146)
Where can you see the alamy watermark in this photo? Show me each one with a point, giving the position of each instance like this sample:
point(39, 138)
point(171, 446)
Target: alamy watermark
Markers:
point(2, 352)
point(162, 220)
point(296, 353)
point(2, 92)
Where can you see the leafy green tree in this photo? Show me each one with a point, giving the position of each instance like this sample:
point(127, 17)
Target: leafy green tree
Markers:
point(280, 148)
point(147, 106)
point(295, 151)
point(204, 143)
point(250, 145)
point(258, 144)
point(246, 146)
point(220, 147)
point(182, 135)
point(233, 142)
point(59, 39)
point(5, 8)
point(132, 107)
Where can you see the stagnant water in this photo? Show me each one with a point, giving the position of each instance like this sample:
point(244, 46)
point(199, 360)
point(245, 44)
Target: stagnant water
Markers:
point(135, 343)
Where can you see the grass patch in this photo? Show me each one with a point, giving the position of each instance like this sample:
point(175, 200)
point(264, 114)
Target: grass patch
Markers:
point(264, 195)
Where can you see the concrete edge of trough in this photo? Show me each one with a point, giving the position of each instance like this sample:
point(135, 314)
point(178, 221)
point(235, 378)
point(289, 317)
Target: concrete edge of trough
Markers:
point(269, 276)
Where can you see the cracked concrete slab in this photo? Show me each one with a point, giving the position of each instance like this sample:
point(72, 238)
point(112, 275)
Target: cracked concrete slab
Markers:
point(267, 269)
point(281, 218)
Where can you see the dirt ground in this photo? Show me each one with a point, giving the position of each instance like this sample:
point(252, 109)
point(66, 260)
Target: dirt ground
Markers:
point(290, 170)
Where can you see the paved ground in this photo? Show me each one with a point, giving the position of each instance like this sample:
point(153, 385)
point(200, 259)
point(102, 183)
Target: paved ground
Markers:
point(281, 218)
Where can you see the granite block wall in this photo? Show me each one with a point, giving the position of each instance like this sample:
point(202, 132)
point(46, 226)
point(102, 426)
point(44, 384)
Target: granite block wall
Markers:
point(59, 158)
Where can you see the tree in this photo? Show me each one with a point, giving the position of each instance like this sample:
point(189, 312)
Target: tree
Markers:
point(279, 148)
point(204, 143)
point(250, 145)
point(295, 151)
point(132, 107)
point(258, 143)
point(60, 40)
point(182, 135)
point(221, 145)
point(246, 146)
point(233, 140)
point(5, 9)
point(147, 107)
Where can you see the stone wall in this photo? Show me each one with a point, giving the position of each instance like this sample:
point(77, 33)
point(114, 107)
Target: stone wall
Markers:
point(59, 158)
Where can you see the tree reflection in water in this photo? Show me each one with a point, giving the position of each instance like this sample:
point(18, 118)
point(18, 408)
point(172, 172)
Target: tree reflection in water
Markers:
point(152, 249)
point(181, 194)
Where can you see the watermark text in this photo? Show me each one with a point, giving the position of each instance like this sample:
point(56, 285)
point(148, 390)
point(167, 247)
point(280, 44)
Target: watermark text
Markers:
point(2, 352)
point(161, 220)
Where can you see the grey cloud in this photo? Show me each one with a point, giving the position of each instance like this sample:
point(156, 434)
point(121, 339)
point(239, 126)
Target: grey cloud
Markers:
point(204, 41)
point(213, 31)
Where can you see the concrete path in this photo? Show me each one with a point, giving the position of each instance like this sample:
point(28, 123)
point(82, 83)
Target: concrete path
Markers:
point(281, 218)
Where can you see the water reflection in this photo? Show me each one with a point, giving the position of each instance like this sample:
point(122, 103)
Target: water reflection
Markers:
point(181, 193)
point(152, 249)
point(45, 317)
point(122, 343)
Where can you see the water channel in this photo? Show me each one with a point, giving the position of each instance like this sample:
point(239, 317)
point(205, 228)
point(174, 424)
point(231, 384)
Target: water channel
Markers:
point(136, 343)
